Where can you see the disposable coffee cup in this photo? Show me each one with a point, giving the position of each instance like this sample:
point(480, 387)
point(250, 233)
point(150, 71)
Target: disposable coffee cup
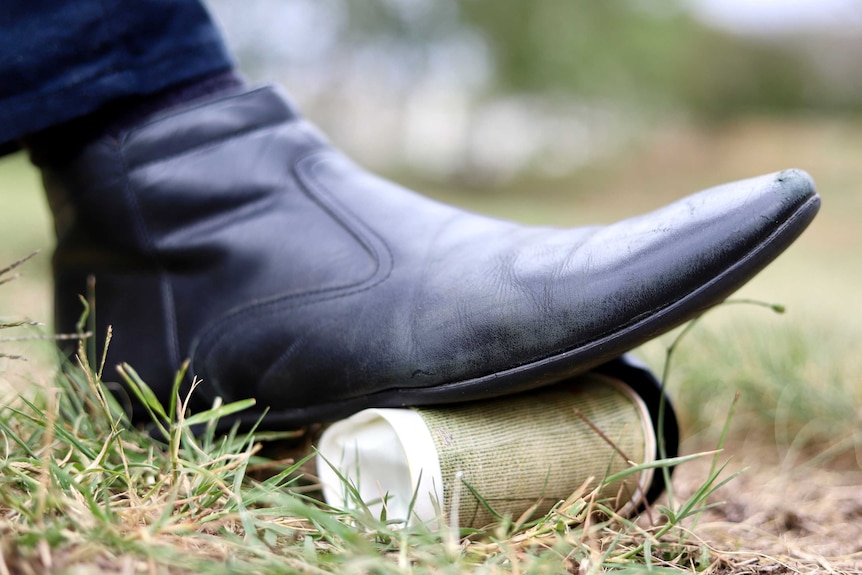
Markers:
point(514, 453)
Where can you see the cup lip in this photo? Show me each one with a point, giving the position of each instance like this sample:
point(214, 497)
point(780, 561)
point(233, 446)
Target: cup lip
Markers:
point(421, 460)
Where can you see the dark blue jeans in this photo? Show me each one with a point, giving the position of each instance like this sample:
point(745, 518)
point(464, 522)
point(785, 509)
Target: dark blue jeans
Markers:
point(62, 59)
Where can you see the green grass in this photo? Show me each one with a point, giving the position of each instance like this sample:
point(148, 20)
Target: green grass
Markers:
point(83, 491)
point(799, 381)
point(24, 217)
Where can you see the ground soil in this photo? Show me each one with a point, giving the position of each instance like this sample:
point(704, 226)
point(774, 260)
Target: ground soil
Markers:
point(782, 514)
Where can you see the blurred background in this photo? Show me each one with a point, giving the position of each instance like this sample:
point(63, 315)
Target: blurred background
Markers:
point(483, 91)
point(566, 113)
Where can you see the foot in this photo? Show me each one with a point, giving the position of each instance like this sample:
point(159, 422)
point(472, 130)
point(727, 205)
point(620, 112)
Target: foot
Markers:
point(233, 234)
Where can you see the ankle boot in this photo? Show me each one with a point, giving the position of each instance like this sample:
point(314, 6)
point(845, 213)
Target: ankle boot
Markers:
point(231, 233)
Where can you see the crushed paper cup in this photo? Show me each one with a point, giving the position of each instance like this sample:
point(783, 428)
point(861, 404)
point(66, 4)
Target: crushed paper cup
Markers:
point(515, 452)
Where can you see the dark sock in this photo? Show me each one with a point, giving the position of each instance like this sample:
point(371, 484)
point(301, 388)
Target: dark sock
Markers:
point(61, 143)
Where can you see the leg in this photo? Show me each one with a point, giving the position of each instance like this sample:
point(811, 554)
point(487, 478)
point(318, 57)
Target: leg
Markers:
point(64, 60)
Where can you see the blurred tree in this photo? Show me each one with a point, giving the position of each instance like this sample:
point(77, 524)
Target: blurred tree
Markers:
point(649, 55)
point(732, 75)
point(656, 56)
point(595, 49)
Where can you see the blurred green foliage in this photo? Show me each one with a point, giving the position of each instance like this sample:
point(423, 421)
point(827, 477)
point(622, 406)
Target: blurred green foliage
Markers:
point(651, 54)
point(659, 55)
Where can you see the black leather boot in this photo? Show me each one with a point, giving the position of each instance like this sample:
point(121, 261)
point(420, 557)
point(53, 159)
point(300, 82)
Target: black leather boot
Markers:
point(233, 234)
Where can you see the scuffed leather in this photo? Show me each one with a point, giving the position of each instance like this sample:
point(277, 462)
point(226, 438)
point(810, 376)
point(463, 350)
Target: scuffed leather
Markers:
point(233, 234)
